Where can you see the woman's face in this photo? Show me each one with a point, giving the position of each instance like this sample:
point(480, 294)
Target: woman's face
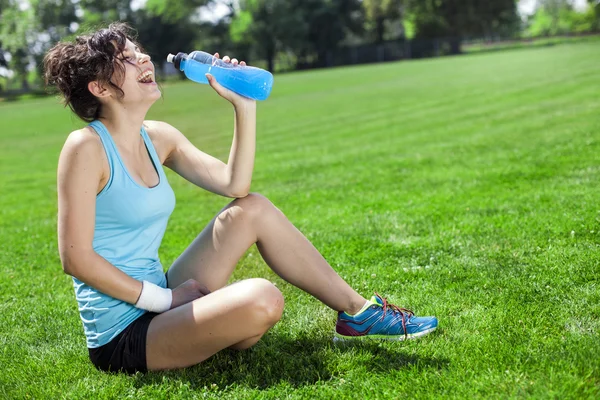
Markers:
point(139, 83)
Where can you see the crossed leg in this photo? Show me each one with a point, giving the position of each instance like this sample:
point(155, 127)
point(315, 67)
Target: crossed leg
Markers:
point(238, 315)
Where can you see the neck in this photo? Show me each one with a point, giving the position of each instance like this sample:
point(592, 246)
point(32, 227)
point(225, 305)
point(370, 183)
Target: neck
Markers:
point(123, 121)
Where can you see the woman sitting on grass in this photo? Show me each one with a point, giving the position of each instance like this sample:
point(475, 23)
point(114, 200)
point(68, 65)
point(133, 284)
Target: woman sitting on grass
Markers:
point(114, 202)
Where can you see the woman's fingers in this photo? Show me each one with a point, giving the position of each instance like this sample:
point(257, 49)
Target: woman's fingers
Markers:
point(233, 61)
point(203, 289)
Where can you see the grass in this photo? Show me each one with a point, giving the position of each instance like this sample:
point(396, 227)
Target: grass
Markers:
point(463, 187)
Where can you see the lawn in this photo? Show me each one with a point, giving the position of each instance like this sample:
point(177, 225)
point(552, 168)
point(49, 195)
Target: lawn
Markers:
point(463, 187)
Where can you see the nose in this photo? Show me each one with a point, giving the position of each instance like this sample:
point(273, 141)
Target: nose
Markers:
point(143, 58)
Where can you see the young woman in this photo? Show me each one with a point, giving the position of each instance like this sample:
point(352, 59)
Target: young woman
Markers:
point(114, 202)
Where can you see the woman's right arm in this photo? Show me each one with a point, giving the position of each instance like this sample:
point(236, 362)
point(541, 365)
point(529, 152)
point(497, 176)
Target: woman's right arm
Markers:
point(80, 172)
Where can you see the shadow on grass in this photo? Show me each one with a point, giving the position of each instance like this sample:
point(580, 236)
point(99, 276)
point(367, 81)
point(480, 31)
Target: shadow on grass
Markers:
point(297, 362)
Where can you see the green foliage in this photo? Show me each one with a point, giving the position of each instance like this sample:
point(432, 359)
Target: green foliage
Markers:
point(304, 33)
point(106, 11)
point(456, 18)
point(541, 24)
point(463, 187)
point(240, 26)
point(378, 13)
point(306, 27)
point(327, 24)
point(162, 27)
point(557, 17)
point(579, 22)
point(160, 37)
point(173, 11)
point(15, 30)
point(55, 16)
point(17, 35)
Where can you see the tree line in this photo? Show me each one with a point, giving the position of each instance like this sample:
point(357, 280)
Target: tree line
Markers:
point(301, 33)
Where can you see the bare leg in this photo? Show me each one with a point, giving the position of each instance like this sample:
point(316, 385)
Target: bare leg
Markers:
point(235, 316)
point(213, 255)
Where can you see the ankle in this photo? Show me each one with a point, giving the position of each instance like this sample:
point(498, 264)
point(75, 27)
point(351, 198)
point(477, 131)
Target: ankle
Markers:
point(356, 306)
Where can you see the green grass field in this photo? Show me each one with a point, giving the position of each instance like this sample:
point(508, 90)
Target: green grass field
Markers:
point(462, 187)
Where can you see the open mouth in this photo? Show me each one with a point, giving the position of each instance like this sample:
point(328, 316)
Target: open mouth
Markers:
point(146, 77)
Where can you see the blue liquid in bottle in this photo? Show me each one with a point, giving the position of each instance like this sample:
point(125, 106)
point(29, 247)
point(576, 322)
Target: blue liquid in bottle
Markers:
point(251, 82)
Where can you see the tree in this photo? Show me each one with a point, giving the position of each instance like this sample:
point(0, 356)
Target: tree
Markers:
point(16, 36)
point(309, 28)
point(173, 11)
point(3, 60)
point(53, 18)
point(594, 10)
point(160, 37)
point(454, 19)
point(328, 23)
point(97, 12)
point(162, 26)
point(268, 26)
point(558, 17)
point(555, 12)
point(29, 29)
point(378, 12)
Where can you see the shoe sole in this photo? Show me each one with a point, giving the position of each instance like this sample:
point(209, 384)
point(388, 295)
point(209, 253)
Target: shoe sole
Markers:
point(399, 338)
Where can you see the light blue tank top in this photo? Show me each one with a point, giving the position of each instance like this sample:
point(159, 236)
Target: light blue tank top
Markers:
point(130, 223)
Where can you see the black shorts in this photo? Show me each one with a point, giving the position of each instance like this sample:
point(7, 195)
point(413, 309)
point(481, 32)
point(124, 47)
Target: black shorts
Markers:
point(127, 351)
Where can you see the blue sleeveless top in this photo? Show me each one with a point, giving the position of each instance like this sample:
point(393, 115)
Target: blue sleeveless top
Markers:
point(130, 223)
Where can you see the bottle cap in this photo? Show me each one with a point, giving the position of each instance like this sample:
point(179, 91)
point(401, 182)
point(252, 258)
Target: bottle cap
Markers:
point(170, 58)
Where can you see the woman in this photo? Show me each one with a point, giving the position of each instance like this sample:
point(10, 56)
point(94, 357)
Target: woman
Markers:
point(113, 205)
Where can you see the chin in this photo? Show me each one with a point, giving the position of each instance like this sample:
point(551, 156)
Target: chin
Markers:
point(152, 97)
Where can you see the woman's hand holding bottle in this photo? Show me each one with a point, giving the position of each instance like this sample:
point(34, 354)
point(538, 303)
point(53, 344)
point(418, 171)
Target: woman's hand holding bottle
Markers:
point(235, 81)
point(231, 96)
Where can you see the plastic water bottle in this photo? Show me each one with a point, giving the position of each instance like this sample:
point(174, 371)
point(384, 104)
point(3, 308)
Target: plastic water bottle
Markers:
point(251, 82)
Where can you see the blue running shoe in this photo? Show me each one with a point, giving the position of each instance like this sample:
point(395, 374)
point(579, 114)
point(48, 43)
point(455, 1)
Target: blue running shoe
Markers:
point(382, 320)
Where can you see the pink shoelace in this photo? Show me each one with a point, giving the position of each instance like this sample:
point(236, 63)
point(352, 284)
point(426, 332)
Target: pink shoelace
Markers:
point(395, 309)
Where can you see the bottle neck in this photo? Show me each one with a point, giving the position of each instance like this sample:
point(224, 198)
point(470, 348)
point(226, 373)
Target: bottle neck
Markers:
point(179, 60)
point(182, 64)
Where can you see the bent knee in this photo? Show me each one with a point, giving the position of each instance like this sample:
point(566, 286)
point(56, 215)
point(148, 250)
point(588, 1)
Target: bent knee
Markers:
point(254, 204)
point(265, 301)
point(246, 209)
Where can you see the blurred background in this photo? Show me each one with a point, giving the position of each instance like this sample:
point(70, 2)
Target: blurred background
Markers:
point(285, 35)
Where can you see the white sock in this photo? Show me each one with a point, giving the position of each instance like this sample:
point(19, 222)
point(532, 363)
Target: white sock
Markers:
point(367, 305)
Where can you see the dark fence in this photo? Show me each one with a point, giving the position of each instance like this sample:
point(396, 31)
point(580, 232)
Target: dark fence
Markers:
point(393, 50)
point(396, 50)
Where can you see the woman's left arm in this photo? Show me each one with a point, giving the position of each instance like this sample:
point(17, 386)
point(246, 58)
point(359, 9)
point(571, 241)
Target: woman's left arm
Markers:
point(232, 179)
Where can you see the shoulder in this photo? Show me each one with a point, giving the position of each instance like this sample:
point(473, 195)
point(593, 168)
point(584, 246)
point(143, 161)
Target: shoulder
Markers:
point(83, 143)
point(82, 157)
point(164, 136)
point(159, 130)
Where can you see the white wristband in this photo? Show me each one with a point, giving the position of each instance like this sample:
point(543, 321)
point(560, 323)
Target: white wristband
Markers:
point(154, 298)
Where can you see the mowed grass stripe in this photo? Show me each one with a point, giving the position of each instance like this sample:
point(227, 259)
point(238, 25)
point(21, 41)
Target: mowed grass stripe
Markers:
point(399, 123)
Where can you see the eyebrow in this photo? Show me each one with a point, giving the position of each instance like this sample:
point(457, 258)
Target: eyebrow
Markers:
point(128, 49)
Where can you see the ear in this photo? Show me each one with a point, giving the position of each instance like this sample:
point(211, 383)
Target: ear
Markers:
point(97, 89)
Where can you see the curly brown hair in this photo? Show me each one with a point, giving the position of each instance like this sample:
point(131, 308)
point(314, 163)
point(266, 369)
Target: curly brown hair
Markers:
point(71, 66)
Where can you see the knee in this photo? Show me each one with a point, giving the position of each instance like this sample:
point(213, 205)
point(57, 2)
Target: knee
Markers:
point(254, 205)
point(265, 302)
point(246, 210)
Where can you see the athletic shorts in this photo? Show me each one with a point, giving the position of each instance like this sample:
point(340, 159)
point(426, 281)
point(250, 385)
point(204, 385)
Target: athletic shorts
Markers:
point(127, 351)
